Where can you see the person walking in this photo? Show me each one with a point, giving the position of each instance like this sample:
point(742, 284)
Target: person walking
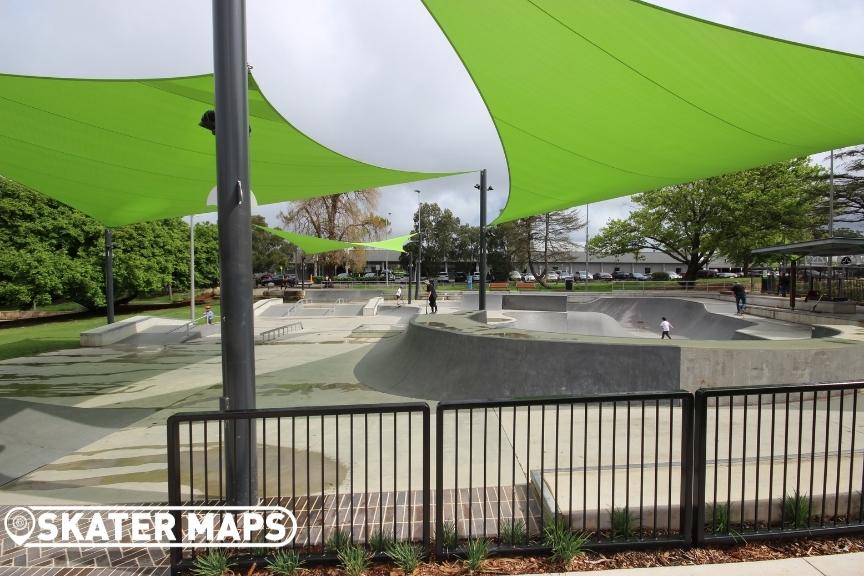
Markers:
point(433, 298)
point(665, 327)
point(399, 296)
point(740, 298)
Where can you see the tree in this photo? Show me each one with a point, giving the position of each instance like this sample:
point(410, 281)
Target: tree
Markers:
point(348, 217)
point(849, 184)
point(206, 255)
point(440, 232)
point(729, 215)
point(269, 252)
point(549, 235)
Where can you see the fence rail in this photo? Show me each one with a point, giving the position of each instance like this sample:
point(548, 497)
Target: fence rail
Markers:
point(625, 471)
point(779, 461)
point(346, 472)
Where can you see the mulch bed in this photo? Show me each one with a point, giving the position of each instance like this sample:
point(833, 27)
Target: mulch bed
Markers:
point(635, 559)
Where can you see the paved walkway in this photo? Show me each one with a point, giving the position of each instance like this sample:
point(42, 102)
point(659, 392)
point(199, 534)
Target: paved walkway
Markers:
point(836, 565)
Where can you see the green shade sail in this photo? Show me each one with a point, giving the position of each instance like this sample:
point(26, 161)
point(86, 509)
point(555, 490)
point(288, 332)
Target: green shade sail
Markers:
point(597, 99)
point(125, 151)
point(315, 245)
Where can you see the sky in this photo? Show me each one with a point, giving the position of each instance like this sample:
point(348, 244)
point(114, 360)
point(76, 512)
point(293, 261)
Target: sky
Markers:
point(375, 80)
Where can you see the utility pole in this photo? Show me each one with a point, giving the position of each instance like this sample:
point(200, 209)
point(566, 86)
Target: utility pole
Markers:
point(109, 276)
point(482, 288)
point(419, 247)
point(192, 267)
point(235, 245)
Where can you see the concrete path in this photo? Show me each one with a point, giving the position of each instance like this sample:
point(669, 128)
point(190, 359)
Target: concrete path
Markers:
point(835, 565)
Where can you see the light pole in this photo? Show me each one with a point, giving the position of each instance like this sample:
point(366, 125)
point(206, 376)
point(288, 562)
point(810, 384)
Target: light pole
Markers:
point(481, 299)
point(192, 266)
point(419, 247)
point(386, 258)
point(586, 247)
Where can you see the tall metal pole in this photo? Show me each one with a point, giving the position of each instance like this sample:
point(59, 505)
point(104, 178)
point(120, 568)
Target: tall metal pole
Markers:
point(482, 293)
point(830, 229)
point(419, 247)
point(387, 256)
point(586, 247)
point(109, 276)
point(235, 243)
point(192, 267)
point(410, 274)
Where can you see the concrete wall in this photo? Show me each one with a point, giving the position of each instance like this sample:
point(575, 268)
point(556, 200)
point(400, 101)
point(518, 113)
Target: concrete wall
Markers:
point(111, 333)
point(541, 302)
point(440, 364)
point(348, 295)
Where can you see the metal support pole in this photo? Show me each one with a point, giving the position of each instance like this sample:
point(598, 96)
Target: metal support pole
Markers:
point(109, 276)
point(419, 247)
point(831, 229)
point(586, 247)
point(192, 267)
point(482, 292)
point(793, 284)
point(303, 272)
point(410, 273)
point(235, 244)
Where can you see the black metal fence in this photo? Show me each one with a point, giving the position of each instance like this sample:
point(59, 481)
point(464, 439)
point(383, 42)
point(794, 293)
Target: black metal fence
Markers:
point(609, 467)
point(624, 471)
point(780, 461)
point(348, 473)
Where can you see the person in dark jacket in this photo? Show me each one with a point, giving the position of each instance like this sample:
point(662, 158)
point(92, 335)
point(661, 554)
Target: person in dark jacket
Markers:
point(433, 298)
point(740, 298)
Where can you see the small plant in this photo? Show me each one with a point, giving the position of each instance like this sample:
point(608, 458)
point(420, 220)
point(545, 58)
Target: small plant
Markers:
point(720, 519)
point(405, 555)
point(622, 523)
point(338, 540)
point(476, 553)
point(354, 560)
point(379, 541)
point(448, 535)
point(796, 510)
point(554, 532)
point(213, 563)
point(569, 546)
point(284, 563)
point(513, 533)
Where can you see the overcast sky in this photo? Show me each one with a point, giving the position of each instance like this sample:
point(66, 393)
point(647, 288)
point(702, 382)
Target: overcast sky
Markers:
point(375, 80)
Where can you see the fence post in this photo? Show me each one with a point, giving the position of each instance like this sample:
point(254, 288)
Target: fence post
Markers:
point(172, 425)
point(426, 477)
point(439, 481)
point(700, 412)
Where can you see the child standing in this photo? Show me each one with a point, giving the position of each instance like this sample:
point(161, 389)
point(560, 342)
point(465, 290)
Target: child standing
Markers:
point(665, 326)
point(399, 296)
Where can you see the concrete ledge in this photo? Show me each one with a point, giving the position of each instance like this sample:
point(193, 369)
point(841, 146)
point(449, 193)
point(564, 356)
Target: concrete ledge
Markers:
point(371, 307)
point(261, 305)
point(111, 333)
point(347, 295)
point(541, 302)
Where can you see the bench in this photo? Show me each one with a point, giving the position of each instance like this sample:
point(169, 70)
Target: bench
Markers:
point(526, 286)
point(498, 286)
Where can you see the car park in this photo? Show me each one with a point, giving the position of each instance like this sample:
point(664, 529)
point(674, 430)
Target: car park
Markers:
point(515, 275)
point(602, 276)
point(726, 275)
point(619, 275)
point(641, 277)
point(460, 277)
point(443, 278)
point(553, 277)
point(529, 278)
point(674, 276)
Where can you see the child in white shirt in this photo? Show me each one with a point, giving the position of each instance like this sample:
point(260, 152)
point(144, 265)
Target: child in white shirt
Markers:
point(665, 326)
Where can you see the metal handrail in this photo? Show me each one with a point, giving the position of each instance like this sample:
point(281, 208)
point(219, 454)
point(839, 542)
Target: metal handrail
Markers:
point(274, 333)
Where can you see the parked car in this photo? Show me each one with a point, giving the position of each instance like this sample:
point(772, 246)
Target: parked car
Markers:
point(709, 273)
point(515, 275)
point(602, 276)
point(726, 275)
point(641, 277)
point(674, 276)
point(583, 276)
point(370, 276)
point(553, 276)
point(619, 275)
point(343, 276)
point(460, 277)
point(566, 276)
point(528, 277)
point(443, 278)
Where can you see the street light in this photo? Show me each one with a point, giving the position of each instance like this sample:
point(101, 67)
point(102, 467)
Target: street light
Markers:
point(386, 256)
point(419, 247)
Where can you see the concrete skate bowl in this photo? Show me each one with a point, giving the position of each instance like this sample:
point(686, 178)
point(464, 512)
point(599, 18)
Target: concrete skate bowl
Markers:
point(305, 309)
point(485, 356)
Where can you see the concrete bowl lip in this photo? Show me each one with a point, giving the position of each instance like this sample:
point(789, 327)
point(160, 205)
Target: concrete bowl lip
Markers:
point(481, 330)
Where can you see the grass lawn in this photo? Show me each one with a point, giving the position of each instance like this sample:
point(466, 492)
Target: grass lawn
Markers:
point(49, 336)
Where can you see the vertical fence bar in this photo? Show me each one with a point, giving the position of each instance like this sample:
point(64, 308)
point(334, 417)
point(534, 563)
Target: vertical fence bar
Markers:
point(700, 415)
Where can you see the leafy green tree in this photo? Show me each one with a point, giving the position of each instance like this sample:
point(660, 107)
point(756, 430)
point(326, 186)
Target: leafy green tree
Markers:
point(206, 255)
point(728, 215)
point(269, 252)
point(440, 231)
point(849, 183)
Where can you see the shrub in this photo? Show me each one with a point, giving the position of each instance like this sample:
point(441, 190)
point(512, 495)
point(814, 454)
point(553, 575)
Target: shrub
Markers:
point(513, 533)
point(448, 535)
point(565, 544)
point(284, 563)
point(337, 540)
point(623, 522)
point(660, 276)
point(354, 560)
point(379, 541)
point(405, 555)
point(476, 553)
point(796, 510)
point(213, 563)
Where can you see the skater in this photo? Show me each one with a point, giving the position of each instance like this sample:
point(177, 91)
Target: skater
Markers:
point(399, 296)
point(665, 326)
point(740, 298)
point(433, 298)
